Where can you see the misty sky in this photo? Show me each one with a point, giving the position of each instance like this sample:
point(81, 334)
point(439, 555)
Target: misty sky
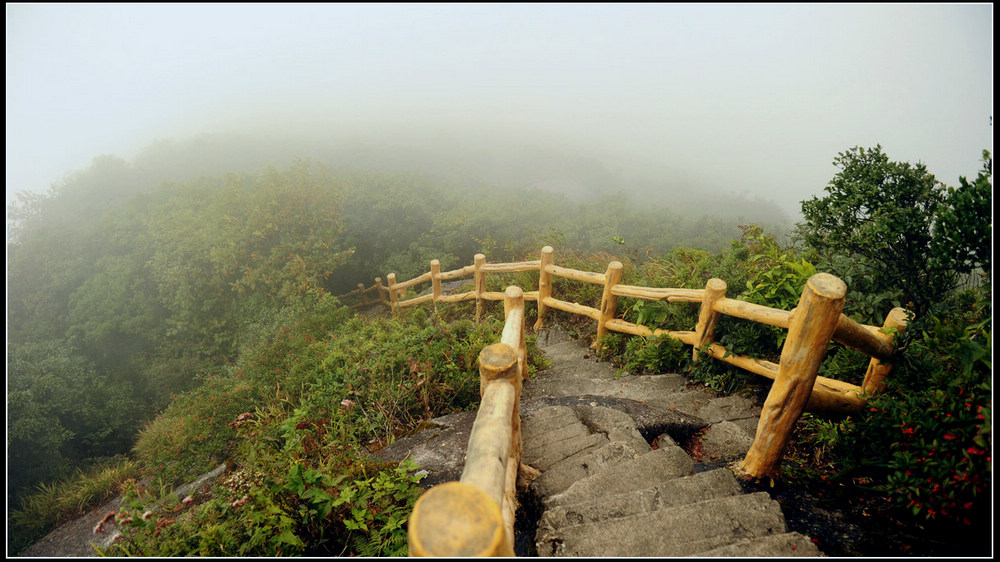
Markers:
point(754, 99)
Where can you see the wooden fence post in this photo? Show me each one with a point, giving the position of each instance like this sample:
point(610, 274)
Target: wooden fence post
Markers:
point(381, 291)
point(715, 289)
point(456, 519)
point(393, 297)
point(435, 282)
point(874, 380)
point(809, 331)
point(609, 302)
point(544, 283)
point(479, 260)
point(361, 293)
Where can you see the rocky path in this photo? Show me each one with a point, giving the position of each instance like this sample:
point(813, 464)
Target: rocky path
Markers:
point(613, 478)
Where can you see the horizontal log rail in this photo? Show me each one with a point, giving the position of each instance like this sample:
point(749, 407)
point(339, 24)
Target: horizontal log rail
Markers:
point(361, 293)
point(817, 320)
point(876, 342)
point(475, 515)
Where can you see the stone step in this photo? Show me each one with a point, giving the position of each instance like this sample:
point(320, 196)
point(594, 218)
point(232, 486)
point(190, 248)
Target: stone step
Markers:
point(556, 434)
point(679, 531)
point(635, 474)
point(633, 387)
point(698, 487)
point(568, 351)
point(560, 476)
point(771, 546)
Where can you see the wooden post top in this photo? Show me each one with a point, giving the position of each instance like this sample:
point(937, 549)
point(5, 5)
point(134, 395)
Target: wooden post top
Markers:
point(514, 292)
point(716, 284)
point(826, 285)
point(455, 519)
point(897, 318)
point(547, 250)
point(495, 360)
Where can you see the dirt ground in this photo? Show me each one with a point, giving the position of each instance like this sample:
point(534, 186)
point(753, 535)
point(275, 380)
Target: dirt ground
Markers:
point(76, 538)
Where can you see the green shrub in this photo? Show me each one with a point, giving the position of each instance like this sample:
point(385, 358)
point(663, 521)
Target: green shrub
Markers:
point(926, 442)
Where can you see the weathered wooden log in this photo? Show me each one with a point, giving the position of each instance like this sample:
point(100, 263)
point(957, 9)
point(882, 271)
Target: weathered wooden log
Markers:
point(752, 311)
point(513, 330)
point(609, 302)
point(715, 289)
point(828, 395)
point(417, 300)
point(456, 273)
point(458, 297)
point(361, 293)
point(626, 327)
point(514, 336)
point(422, 278)
point(490, 440)
point(393, 295)
point(582, 310)
point(577, 275)
point(511, 267)
point(544, 283)
point(435, 282)
point(760, 367)
point(383, 295)
point(809, 332)
point(495, 437)
point(658, 294)
point(479, 260)
point(874, 380)
point(866, 339)
point(456, 519)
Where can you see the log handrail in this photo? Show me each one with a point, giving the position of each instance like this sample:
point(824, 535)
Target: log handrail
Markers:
point(876, 342)
point(475, 515)
point(811, 326)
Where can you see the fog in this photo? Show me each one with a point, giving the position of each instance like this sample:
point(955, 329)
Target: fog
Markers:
point(668, 101)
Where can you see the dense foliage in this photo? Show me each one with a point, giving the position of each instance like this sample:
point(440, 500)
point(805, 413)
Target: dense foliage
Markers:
point(186, 324)
point(897, 222)
point(136, 287)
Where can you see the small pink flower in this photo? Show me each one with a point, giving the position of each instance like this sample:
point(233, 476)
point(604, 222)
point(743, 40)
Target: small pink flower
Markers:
point(117, 537)
point(346, 404)
point(187, 501)
point(240, 501)
point(146, 515)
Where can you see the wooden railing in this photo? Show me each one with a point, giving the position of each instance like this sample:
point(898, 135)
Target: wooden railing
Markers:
point(811, 326)
point(361, 294)
point(475, 515)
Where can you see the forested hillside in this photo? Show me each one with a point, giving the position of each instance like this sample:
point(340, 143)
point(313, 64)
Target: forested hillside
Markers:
point(145, 316)
point(124, 288)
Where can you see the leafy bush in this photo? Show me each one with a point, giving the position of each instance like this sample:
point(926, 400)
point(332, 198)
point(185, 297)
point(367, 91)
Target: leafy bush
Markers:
point(926, 442)
point(298, 413)
point(645, 355)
